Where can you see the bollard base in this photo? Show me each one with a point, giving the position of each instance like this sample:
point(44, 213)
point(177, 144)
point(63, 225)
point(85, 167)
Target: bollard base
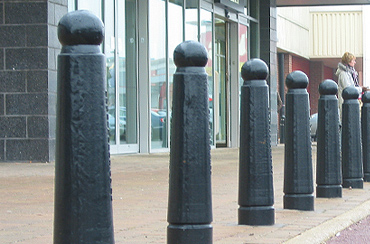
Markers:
point(357, 183)
point(367, 177)
point(303, 202)
point(256, 215)
point(185, 234)
point(329, 191)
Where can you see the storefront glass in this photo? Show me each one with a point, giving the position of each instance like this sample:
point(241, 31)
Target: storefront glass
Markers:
point(95, 6)
point(127, 71)
point(120, 50)
point(243, 52)
point(158, 71)
point(109, 48)
point(191, 22)
point(221, 82)
point(175, 37)
point(243, 47)
point(169, 22)
point(206, 38)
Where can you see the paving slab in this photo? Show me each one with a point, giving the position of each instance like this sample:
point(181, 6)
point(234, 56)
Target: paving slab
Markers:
point(140, 199)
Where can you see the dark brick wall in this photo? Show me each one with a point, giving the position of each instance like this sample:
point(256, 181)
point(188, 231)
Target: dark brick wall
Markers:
point(316, 77)
point(315, 72)
point(268, 53)
point(28, 50)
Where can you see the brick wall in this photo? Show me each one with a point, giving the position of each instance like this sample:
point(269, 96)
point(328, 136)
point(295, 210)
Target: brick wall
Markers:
point(316, 77)
point(28, 50)
point(268, 53)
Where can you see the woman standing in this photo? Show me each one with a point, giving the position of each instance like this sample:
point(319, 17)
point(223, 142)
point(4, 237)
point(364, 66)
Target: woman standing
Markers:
point(347, 76)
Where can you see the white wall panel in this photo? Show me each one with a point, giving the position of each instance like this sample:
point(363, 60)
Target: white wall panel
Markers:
point(333, 33)
point(293, 30)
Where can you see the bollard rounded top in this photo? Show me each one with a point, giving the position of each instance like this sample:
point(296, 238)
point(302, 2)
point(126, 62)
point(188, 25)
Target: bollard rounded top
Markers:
point(366, 97)
point(350, 92)
point(255, 69)
point(328, 87)
point(296, 79)
point(190, 53)
point(80, 27)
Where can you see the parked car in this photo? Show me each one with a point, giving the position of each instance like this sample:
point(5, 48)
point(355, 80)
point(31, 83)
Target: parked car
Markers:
point(158, 119)
point(112, 126)
point(313, 126)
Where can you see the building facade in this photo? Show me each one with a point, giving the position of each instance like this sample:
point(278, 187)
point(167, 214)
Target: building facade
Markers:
point(321, 36)
point(28, 50)
point(140, 37)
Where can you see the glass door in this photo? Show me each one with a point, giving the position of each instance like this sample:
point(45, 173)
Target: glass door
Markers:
point(120, 48)
point(221, 82)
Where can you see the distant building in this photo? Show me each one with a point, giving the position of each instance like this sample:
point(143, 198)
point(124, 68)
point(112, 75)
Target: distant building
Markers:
point(317, 39)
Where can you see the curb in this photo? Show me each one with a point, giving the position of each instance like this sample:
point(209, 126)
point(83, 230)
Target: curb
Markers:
point(328, 229)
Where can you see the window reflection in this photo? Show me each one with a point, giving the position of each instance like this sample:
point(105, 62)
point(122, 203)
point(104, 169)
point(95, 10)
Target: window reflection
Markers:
point(243, 47)
point(158, 70)
point(109, 51)
point(162, 72)
point(120, 50)
point(93, 6)
point(243, 52)
point(206, 28)
point(175, 37)
point(191, 23)
point(126, 44)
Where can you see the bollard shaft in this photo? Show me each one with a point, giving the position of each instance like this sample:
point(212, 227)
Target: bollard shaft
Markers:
point(328, 165)
point(298, 179)
point(83, 194)
point(365, 130)
point(255, 166)
point(297, 144)
point(352, 166)
point(190, 200)
point(256, 196)
point(190, 188)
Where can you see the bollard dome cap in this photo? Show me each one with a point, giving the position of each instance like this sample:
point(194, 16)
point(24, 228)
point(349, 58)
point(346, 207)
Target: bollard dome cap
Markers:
point(255, 69)
point(350, 92)
point(190, 53)
point(297, 79)
point(328, 87)
point(80, 27)
point(366, 97)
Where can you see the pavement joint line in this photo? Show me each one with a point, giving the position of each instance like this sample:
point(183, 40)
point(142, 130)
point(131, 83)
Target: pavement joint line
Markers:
point(323, 232)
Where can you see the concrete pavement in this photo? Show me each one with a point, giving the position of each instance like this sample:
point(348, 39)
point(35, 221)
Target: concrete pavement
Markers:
point(140, 190)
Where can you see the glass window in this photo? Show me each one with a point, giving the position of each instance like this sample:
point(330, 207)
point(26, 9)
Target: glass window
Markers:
point(120, 50)
point(109, 51)
point(127, 59)
point(206, 38)
point(175, 37)
point(243, 47)
point(91, 5)
point(158, 78)
point(71, 5)
point(191, 22)
point(220, 101)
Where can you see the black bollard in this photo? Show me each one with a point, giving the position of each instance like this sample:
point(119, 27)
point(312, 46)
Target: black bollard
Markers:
point(365, 130)
point(352, 167)
point(83, 194)
point(190, 201)
point(256, 193)
point(328, 165)
point(298, 178)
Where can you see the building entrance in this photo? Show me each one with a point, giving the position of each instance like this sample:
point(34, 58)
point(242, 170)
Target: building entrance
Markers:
point(221, 99)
